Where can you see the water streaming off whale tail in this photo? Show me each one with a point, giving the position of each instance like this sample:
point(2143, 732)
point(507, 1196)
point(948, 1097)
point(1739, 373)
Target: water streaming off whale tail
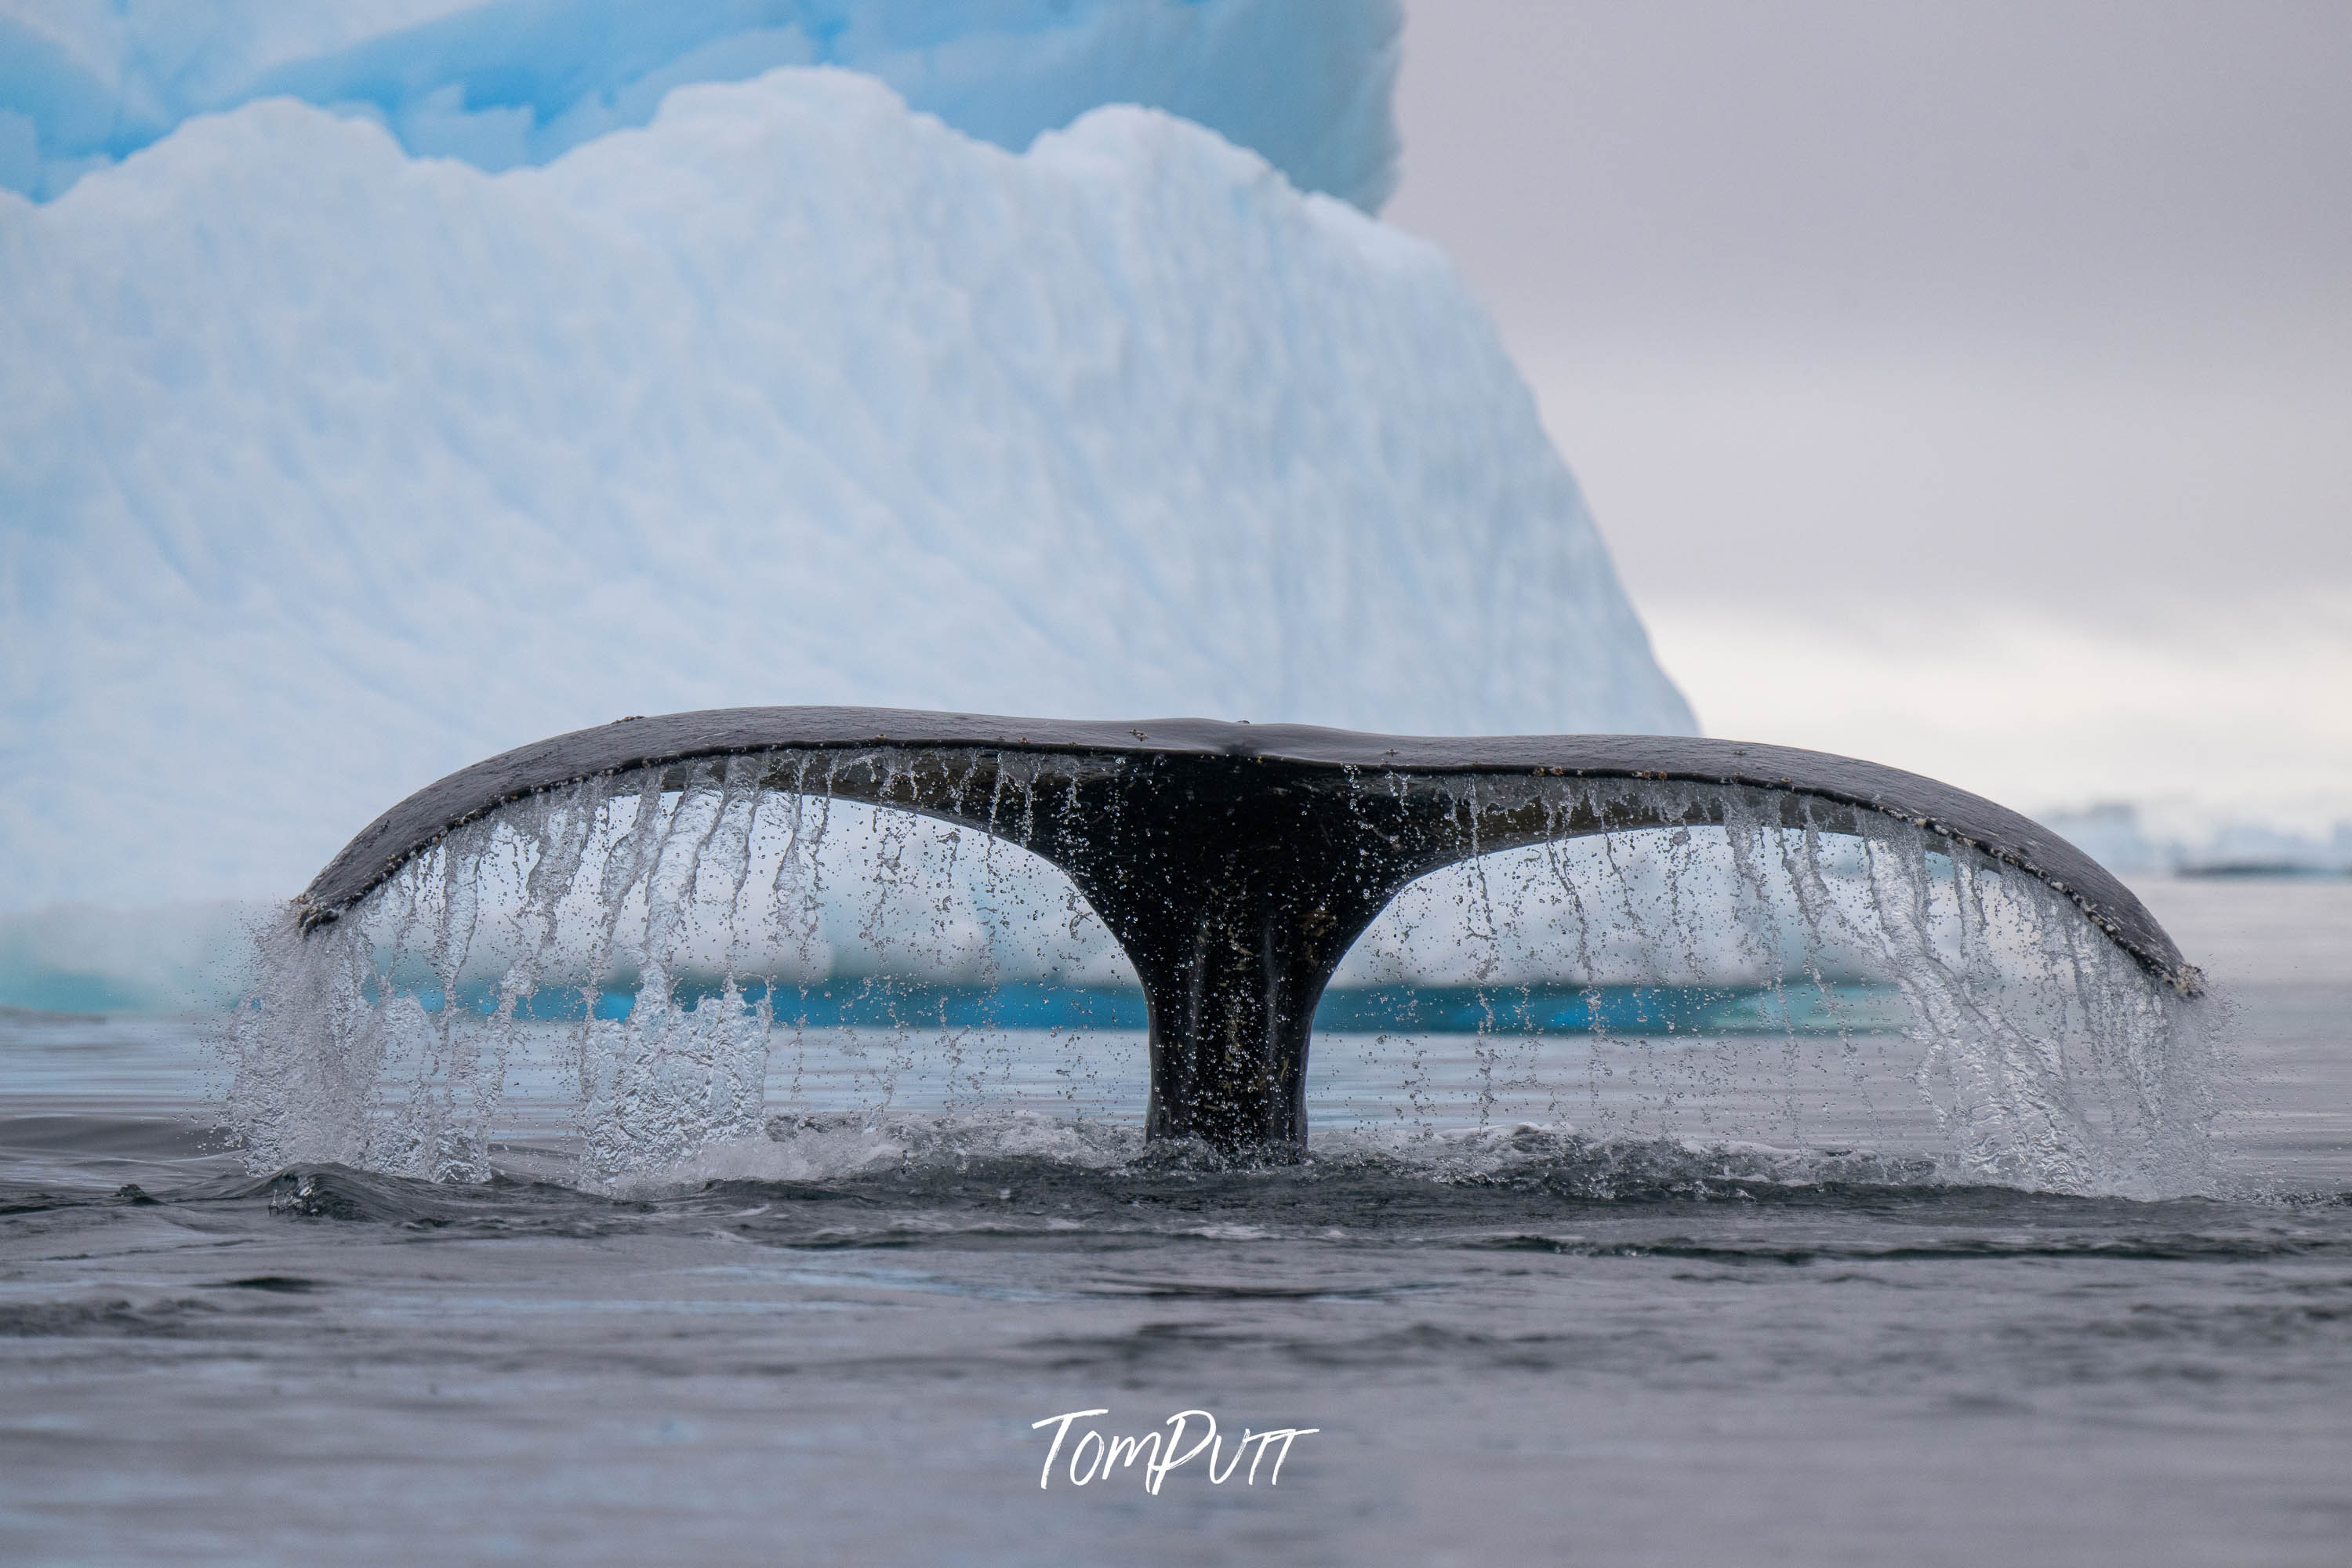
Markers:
point(741, 966)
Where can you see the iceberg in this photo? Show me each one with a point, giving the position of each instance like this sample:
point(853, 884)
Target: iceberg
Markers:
point(80, 958)
point(2202, 841)
point(1303, 83)
point(327, 469)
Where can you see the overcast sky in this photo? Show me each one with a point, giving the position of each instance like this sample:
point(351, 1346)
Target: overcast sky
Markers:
point(1967, 386)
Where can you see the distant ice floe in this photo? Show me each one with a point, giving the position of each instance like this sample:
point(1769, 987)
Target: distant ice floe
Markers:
point(83, 958)
point(2121, 837)
point(85, 83)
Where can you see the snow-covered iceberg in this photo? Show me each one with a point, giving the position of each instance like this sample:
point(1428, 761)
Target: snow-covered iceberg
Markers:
point(326, 469)
point(499, 83)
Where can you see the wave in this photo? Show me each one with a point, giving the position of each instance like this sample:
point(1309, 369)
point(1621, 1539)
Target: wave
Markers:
point(1029, 1172)
point(1032, 1182)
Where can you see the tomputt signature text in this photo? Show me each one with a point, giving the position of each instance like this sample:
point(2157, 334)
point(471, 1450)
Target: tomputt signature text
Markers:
point(1093, 1457)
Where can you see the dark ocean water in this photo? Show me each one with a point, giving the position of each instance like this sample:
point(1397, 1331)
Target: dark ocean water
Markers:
point(1509, 1344)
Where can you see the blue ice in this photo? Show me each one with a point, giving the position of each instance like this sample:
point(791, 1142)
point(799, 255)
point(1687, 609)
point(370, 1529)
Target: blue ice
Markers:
point(85, 83)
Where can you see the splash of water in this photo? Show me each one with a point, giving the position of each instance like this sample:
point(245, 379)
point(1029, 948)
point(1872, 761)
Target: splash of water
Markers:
point(670, 962)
